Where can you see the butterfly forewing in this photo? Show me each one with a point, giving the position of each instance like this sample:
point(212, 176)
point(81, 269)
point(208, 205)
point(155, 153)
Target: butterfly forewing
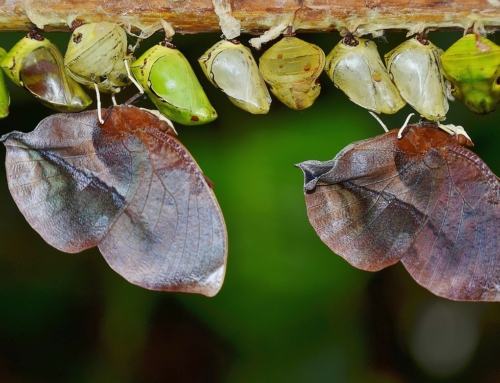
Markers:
point(363, 207)
point(59, 183)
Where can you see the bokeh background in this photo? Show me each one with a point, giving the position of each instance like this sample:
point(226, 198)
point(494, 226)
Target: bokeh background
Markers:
point(289, 311)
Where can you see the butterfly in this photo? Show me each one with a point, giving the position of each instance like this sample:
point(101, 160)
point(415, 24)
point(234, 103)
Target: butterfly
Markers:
point(423, 199)
point(127, 186)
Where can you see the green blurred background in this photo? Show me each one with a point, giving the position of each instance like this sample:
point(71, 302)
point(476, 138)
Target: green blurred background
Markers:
point(289, 310)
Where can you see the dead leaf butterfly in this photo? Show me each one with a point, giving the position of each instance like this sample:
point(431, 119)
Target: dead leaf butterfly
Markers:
point(423, 199)
point(127, 186)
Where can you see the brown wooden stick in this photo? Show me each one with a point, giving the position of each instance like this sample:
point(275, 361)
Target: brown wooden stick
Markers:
point(256, 16)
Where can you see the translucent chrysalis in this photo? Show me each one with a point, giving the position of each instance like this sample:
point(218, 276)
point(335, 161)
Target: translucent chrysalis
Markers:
point(36, 64)
point(416, 70)
point(96, 54)
point(231, 67)
point(355, 67)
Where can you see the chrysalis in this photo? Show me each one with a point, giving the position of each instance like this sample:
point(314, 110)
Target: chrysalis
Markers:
point(96, 54)
point(171, 84)
point(291, 67)
point(424, 200)
point(416, 71)
point(127, 186)
point(355, 67)
point(231, 67)
point(36, 64)
point(472, 65)
point(4, 94)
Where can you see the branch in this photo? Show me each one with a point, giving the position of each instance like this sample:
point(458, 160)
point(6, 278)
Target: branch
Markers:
point(256, 16)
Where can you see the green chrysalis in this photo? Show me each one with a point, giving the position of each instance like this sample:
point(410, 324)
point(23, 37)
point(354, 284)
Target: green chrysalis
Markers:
point(36, 64)
point(291, 67)
point(472, 65)
point(169, 81)
point(231, 67)
point(4, 94)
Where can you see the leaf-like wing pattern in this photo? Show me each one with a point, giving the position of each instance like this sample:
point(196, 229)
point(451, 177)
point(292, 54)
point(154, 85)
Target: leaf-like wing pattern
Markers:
point(423, 199)
point(126, 187)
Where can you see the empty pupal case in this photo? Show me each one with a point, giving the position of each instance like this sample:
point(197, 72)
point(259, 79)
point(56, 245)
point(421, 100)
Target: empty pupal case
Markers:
point(230, 66)
point(354, 65)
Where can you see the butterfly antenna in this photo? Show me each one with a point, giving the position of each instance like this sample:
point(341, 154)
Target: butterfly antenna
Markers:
point(379, 121)
point(98, 97)
point(400, 133)
point(134, 98)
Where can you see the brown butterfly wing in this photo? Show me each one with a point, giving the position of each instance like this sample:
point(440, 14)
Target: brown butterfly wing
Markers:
point(66, 193)
point(122, 187)
point(422, 199)
point(172, 234)
point(369, 203)
point(457, 253)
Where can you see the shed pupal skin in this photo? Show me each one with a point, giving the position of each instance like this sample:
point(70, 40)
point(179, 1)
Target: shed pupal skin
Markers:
point(355, 67)
point(291, 67)
point(230, 66)
point(415, 68)
point(35, 64)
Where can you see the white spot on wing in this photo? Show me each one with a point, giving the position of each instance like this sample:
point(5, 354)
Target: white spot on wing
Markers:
point(212, 284)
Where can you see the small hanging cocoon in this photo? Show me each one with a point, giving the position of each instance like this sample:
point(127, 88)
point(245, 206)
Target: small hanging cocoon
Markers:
point(291, 67)
point(415, 68)
point(231, 67)
point(169, 81)
point(96, 54)
point(36, 64)
point(472, 65)
point(4, 94)
point(355, 67)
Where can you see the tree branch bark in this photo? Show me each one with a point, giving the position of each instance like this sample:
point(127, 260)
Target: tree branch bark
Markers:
point(256, 16)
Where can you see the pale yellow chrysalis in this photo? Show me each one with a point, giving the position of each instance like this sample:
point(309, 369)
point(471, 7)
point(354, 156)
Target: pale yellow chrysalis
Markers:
point(291, 67)
point(416, 70)
point(354, 65)
point(96, 54)
point(231, 67)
